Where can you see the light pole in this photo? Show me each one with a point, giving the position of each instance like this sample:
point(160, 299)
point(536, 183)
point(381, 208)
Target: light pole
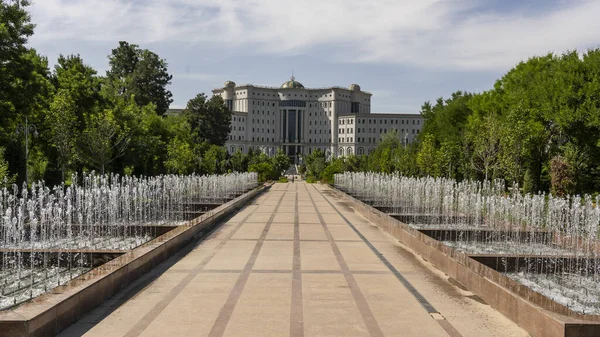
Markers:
point(26, 129)
point(405, 140)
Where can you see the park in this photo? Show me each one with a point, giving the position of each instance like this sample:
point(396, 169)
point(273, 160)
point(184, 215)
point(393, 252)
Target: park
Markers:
point(134, 204)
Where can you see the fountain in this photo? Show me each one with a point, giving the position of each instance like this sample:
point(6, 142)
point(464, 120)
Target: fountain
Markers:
point(49, 236)
point(545, 243)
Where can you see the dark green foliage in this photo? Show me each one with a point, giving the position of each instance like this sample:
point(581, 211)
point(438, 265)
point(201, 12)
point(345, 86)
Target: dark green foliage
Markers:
point(210, 119)
point(315, 164)
point(281, 162)
point(140, 73)
point(264, 169)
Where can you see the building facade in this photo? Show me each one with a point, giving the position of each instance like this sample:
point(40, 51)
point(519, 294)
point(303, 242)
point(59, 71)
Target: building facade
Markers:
point(300, 120)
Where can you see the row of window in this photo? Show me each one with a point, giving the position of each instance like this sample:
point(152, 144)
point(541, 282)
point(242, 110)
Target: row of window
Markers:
point(320, 114)
point(238, 119)
point(381, 121)
point(311, 131)
point(263, 112)
point(373, 130)
point(320, 122)
point(310, 140)
point(233, 137)
point(262, 121)
point(295, 95)
point(262, 139)
point(263, 130)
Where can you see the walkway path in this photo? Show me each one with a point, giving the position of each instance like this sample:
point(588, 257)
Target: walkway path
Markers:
point(296, 262)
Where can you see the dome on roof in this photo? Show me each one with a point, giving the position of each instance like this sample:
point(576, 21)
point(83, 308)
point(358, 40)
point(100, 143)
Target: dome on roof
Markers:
point(229, 84)
point(292, 84)
point(354, 87)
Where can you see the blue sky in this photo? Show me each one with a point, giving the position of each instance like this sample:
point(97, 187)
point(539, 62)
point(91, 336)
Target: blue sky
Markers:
point(404, 52)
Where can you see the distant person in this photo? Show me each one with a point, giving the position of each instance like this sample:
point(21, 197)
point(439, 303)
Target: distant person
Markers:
point(293, 179)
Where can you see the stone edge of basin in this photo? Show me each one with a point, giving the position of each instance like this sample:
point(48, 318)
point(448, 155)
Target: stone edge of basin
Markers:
point(51, 313)
point(537, 314)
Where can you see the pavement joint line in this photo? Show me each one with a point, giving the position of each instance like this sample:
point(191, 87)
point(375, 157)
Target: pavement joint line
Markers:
point(296, 310)
point(150, 316)
point(359, 298)
point(281, 271)
point(220, 324)
point(450, 330)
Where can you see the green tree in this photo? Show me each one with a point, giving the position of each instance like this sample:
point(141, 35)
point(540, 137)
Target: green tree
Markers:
point(239, 162)
point(315, 164)
point(80, 82)
point(102, 141)
point(428, 158)
point(141, 73)
point(483, 137)
point(382, 159)
point(214, 160)
point(6, 179)
point(210, 119)
point(62, 121)
point(336, 166)
point(181, 158)
point(280, 162)
point(25, 87)
point(264, 169)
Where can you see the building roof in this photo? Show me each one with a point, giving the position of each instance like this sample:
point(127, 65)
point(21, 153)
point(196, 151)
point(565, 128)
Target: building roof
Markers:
point(292, 84)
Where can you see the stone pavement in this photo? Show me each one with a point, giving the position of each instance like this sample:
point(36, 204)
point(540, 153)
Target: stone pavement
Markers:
point(296, 262)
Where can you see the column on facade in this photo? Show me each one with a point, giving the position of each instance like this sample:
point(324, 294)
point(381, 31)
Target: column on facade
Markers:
point(297, 126)
point(287, 126)
point(334, 131)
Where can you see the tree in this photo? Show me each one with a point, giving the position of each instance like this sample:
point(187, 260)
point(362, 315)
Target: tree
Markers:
point(483, 137)
point(239, 162)
point(428, 158)
point(62, 122)
point(6, 179)
point(180, 157)
point(281, 162)
point(214, 160)
point(264, 170)
point(315, 164)
point(102, 141)
point(25, 87)
point(141, 73)
point(79, 81)
point(563, 176)
point(210, 119)
point(381, 160)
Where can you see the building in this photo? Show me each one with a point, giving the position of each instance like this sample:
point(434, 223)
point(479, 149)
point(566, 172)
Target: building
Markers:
point(300, 120)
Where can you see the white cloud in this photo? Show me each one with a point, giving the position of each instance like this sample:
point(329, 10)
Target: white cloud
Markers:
point(426, 33)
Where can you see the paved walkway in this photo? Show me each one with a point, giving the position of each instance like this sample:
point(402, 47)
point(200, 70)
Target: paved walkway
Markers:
point(296, 262)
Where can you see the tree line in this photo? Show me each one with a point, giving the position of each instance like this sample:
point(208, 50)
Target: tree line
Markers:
point(78, 120)
point(538, 127)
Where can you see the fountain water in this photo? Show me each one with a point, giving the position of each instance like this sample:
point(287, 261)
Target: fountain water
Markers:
point(51, 235)
point(547, 243)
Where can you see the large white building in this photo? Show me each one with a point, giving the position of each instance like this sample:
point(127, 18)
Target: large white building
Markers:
point(300, 120)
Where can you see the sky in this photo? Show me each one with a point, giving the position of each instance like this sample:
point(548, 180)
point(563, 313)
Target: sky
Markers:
point(405, 52)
